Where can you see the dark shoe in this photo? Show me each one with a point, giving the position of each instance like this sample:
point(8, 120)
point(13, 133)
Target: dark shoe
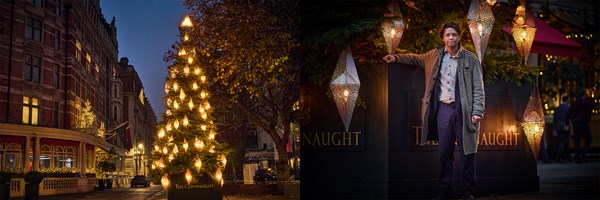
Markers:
point(442, 196)
point(468, 195)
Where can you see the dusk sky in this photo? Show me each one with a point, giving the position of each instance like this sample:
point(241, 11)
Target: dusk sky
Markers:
point(146, 29)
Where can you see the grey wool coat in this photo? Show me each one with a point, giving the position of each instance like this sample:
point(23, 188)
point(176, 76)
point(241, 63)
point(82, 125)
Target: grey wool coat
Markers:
point(472, 95)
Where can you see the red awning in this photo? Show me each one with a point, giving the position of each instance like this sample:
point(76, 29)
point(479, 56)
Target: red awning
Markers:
point(550, 41)
point(8, 139)
point(60, 142)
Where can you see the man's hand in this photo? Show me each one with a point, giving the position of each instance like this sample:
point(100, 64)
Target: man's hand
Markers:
point(476, 119)
point(389, 58)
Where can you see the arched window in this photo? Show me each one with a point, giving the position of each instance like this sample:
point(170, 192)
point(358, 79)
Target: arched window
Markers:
point(45, 152)
point(58, 157)
point(12, 156)
point(71, 157)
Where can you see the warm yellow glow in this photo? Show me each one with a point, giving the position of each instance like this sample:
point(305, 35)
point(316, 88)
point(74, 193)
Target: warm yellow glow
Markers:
point(185, 120)
point(185, 144)
point(182, 52)
point(190, 60)
point(140, 146)
point(491, 2)
point(218, 175)
point(191, 104)
point(203, 127)
point(153, 166)
point(168, 126)
point(187, 22)
point(480, 28)
point(165, 181)
point(346, 93)
point(211, 135)
point(536, 128)
point(199, 143)
point(188, 176)
point(156, 148)
point(533, 132)
point(207, 105)
point(165, 150)
point(194, 86)
point(182, 95)
point(201, 109)
point(161, 133)
point(186, 37)
point(203, 94)
point(171, 157)
point(212, 149)
point(186, 70)
point(204, 115)
point(166, 87)
point(175, 105)
point(176, 124)
point(393, 32)
point(198, 163)
point(171, 139)
point(203, 78)
point(197, 71)
point(223, 160)
point(168, 112)
point(175, 150)
point(175, 86)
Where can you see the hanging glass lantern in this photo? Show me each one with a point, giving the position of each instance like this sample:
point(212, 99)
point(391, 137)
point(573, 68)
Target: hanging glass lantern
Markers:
point(344, 86)
point(188, 176)
point(533, 122)
point(481, 22)
point(393, 26)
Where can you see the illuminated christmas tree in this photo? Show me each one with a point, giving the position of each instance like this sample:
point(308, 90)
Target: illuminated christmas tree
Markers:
point(185, 149)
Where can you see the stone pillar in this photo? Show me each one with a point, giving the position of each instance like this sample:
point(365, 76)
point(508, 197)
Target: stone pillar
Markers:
point(36, 154)
point(26, 146)
point(81, 158)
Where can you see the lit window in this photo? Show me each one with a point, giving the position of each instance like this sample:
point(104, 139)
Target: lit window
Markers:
point(30, 110)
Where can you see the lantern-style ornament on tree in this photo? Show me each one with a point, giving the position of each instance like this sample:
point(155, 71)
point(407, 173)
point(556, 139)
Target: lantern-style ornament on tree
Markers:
point(165, 181)
point(523, 31)
point(393, 26)
point(345, 85)
point(533, 122)
point(481, 22)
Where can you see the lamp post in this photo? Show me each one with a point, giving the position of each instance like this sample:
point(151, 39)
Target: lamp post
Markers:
point(138, 152)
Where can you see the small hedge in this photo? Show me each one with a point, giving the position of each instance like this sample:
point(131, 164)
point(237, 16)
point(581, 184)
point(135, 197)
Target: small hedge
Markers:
point(33, 177)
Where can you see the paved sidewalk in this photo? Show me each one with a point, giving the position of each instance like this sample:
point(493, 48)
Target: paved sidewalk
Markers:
point(563, 181)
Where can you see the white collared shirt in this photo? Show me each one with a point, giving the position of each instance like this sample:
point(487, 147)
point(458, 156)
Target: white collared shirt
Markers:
point(448, 76)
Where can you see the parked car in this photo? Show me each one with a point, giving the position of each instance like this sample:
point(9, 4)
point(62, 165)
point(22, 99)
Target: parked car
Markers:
point(264, 175)
point(140, 180)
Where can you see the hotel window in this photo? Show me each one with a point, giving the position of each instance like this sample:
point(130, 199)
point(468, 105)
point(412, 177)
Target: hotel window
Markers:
point(58, 8)
point(45, 153)
point(30, 110)
point(56, 77)
point(78, 51)
point(31, 70)
point(77, 87)
point(12, 156)
point(36, 2)
point(97, 72)
point(57, 41)
point(33, 29)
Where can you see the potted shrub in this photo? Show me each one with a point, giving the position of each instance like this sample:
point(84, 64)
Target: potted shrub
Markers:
point(32, 185)
point(4, 185)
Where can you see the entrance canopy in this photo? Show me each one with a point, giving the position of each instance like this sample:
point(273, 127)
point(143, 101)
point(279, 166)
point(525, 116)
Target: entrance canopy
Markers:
point(550, 41)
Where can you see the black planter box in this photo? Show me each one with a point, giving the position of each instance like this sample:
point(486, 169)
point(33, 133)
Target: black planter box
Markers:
point(32, 191)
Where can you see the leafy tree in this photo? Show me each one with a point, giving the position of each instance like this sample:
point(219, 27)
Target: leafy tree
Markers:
point(251, 50)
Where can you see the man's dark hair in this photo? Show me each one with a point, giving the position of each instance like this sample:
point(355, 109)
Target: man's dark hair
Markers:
point(449, 25)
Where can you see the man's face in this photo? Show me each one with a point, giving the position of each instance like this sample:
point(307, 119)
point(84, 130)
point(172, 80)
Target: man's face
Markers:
point(451, 37)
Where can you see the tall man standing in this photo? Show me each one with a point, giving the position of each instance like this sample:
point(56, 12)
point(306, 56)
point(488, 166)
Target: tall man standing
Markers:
point(454, 94)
